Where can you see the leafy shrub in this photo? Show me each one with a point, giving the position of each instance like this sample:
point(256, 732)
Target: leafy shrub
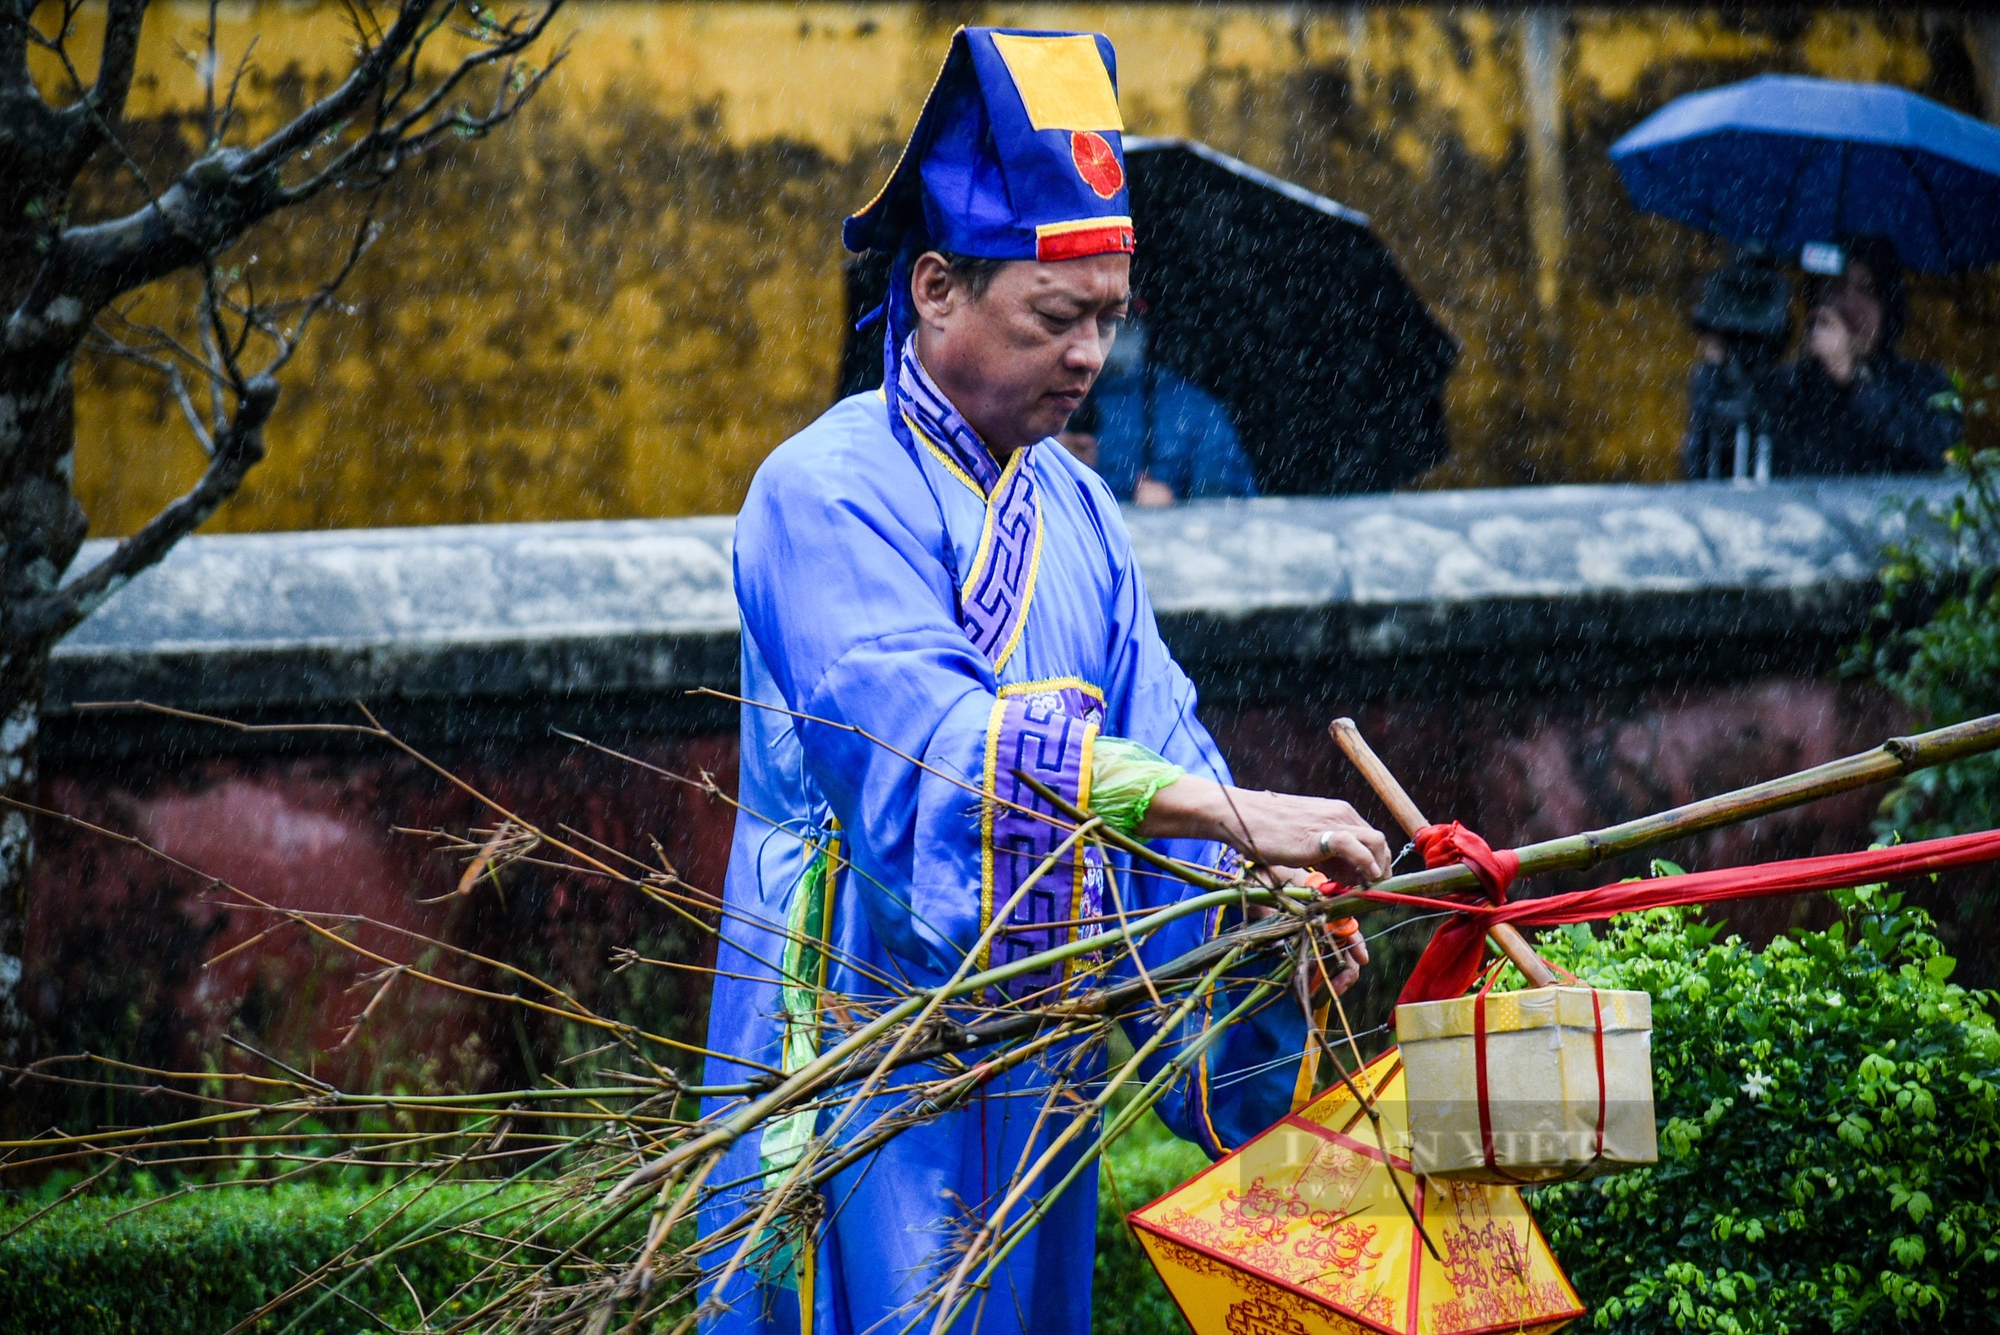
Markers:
point(1829, 1135)
point(1830, 1161)
point(1936, 644)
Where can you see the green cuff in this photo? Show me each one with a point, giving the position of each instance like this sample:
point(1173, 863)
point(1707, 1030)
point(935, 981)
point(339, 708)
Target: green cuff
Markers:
point(1124, 776)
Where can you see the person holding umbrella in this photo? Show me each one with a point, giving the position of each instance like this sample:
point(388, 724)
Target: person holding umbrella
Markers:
point(1794, 164)
point(1851, 403)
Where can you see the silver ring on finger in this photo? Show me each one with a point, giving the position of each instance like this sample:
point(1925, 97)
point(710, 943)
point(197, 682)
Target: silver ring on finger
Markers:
point(1326, 838)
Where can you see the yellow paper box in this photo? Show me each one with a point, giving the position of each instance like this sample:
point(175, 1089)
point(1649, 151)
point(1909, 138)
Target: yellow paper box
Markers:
point(1568, 1084)
point(1301, 1232)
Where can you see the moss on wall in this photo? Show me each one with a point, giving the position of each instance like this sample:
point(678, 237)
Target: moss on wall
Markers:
point(619, 305)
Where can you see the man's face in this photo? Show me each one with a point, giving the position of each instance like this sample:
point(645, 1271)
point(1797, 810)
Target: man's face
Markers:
point(1018, 359)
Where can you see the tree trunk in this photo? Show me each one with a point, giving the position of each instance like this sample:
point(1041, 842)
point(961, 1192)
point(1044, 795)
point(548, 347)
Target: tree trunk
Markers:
point(41, 528)
point(19, 772)
point(56, 278)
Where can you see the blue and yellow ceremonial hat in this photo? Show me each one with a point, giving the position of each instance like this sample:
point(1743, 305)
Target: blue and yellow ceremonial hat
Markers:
point(1018, 154)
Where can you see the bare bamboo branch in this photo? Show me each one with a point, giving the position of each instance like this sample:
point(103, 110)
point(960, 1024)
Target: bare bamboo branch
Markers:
point(563, 1263)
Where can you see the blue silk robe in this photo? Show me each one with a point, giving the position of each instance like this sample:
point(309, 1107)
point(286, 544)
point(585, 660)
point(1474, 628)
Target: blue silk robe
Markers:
point(847, 552)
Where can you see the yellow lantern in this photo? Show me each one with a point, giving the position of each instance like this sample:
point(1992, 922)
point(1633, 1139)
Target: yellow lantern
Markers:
point(1305, 1230)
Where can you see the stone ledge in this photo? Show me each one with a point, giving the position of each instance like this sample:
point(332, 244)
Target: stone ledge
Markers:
point(1259, 598)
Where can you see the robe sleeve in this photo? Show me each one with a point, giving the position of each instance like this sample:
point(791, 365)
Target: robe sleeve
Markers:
point(1247, 1078)
point(839, 582)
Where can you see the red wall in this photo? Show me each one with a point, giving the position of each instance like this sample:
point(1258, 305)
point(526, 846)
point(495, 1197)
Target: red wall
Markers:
point(118, 935)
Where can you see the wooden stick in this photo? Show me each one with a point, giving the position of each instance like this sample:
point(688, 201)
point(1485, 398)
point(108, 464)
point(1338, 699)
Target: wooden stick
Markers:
point(1503, 935)
point(1579, 852)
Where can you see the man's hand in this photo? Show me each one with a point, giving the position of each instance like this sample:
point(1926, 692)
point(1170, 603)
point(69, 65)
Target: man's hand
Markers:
point(1152, 494)
point(1276, 829)
point(1341, 947)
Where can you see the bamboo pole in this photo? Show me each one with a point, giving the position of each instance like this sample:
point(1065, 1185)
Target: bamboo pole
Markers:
point(1578, 852)
point(1893, 759)
point(1505, 936)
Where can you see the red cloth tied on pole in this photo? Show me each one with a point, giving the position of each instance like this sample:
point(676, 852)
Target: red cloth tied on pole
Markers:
point(1445, 960)
point(1451, 962)
point(1443, 845)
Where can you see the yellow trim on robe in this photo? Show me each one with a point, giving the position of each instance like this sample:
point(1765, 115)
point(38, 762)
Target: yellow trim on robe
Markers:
point(944, 459)
point(989, 807)
point(984, 551)
point(1201, 1066)
point(808, 1279)
point(1082, 868)
point(1027, 602)
point(1304, 1085)
point(1053, 684)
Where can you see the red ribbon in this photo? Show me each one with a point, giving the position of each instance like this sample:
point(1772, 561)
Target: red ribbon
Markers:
point(1443, 845)
point(1479, 1070)
point(1451, 962)
point(1603, 1099)
point(1482, 1093)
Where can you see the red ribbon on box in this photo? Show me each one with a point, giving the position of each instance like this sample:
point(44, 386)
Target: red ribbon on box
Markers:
point(1451, 962)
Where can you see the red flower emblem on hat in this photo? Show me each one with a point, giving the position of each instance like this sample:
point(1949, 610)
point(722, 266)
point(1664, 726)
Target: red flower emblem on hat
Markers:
point(1096, 162)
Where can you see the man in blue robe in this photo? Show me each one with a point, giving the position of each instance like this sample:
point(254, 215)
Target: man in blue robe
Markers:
point(935, 595)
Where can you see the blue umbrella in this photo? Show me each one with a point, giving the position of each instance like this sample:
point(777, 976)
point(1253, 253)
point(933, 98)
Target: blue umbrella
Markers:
point(1791, 161)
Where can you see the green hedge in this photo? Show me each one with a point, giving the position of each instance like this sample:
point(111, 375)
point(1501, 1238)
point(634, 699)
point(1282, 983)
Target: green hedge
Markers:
point(1830, 1142)
point(1830, 1161)
point(196, 1264)
point(1144, 1165)
point(1935, 644)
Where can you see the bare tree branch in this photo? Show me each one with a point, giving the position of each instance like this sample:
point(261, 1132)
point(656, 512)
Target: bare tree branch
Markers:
point(168, 370)
point(227, 191)
point(118, 58)
point(60, 281)
point(86, 123)
point(238, 447)
point(395, 142)
point(234, 444)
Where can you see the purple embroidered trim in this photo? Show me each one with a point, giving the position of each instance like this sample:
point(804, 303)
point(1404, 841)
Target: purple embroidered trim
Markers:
point(946, 427)
point(991, 608)
point(1043, 735)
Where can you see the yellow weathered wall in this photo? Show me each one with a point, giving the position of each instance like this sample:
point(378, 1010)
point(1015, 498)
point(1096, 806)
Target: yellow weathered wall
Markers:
point(620, 304)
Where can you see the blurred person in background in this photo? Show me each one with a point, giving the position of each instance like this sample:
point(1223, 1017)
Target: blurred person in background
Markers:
point(1155, 436)
point(1744, 320)
point(1850, 403)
